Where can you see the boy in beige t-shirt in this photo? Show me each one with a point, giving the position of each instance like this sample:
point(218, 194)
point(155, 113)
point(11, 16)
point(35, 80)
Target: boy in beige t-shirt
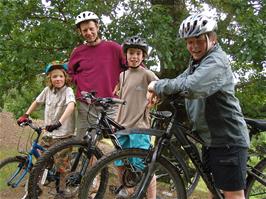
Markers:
point(132, 88)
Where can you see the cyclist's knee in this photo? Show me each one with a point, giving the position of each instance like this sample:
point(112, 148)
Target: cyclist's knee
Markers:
point(234, 194)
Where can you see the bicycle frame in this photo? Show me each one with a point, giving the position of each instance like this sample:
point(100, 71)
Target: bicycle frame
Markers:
point(177, 130)
point(256, 127)
point(104, 122)
point(27, 159)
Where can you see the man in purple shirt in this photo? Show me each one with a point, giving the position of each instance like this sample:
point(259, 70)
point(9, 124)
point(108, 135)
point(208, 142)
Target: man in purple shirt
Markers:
point(94, 65)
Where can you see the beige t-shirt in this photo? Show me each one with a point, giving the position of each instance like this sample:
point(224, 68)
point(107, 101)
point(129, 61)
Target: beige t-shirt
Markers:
point(56, 102)
point(133, 90)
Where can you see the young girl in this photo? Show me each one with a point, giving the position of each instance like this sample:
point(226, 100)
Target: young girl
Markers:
point(59, 100)
point(132, 88)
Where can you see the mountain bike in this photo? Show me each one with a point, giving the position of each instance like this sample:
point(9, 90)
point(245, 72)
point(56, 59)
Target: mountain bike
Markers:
point(14, 170)
point(137, 180)
point(175, 154)
point(256, 178)
point(86, 148)
point(83, 150)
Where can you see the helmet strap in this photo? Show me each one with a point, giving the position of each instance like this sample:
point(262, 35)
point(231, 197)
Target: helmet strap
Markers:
point(210, 44)
point(207, 42)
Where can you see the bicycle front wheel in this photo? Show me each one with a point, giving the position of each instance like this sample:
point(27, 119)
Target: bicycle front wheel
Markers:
point(47, 180)
point(124, 182)
point(11, 170)
point(256, 188)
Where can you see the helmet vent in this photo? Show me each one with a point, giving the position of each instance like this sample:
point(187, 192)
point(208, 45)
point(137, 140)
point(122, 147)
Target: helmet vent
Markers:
point(196, 25)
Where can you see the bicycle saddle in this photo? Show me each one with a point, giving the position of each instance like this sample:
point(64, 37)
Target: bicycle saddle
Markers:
point(161, 114)
point(258, 124)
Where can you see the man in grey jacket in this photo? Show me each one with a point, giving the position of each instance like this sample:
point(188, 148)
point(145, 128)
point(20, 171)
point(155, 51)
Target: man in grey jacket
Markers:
point(211, 104)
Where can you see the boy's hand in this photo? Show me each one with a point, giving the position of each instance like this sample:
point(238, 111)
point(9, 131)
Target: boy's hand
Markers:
point(52, 127)
point(151, 86)
point(151, 95)
point(23, 118)
point(152, 99)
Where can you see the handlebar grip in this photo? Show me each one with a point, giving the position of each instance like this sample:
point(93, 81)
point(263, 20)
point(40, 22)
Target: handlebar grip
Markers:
point(118, 101)
point(83, 93)
point(25, 123)
point(90, 95)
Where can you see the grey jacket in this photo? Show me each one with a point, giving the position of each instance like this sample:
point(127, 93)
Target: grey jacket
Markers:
point(212, 107)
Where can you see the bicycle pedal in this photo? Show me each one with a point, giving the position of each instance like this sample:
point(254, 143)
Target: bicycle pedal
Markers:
point(44, 176)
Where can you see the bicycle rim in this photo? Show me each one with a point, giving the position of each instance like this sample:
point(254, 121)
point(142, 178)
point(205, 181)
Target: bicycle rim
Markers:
point(127, 181)
point(255, 189)
point(44, 181)
point(8, 168)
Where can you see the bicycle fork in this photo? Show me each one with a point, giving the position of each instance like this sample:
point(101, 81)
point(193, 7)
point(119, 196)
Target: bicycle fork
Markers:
point(23, 165)
point(149, 170)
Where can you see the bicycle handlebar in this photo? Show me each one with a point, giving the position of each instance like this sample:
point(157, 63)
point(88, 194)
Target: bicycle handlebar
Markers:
point(90, 98)
point(29, 123)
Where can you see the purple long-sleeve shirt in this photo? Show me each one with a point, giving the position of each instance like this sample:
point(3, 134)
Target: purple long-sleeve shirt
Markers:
point(96, 68)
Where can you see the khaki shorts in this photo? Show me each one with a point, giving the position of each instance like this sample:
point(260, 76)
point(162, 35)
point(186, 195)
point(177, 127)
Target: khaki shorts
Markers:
point(62, 158)
point(87, 116)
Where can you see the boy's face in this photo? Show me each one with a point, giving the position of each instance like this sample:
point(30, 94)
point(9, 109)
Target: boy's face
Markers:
point(197, 46)
point(58, 78)
point(89, 30)
point(134, 57)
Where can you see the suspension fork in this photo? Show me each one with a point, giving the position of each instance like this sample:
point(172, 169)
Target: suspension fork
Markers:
point(150, 168)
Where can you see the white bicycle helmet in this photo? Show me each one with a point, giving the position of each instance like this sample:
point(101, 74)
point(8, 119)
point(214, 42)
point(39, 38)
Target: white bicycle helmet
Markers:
point(84, 16)
point(135, 42)
point(196, 25)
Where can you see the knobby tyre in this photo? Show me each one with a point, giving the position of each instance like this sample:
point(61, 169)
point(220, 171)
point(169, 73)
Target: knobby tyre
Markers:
point(191, 176)
point(169, 186)
point(255, 189)
point(8, 167)
point(45, 166)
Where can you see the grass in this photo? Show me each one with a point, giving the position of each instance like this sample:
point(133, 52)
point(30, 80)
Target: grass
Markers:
point(8, 153)
point(201, 191)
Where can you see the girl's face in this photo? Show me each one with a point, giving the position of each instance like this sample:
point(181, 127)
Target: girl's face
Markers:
point(197, 46)
point(89, 30)
point(134, 57)
point(58, 78)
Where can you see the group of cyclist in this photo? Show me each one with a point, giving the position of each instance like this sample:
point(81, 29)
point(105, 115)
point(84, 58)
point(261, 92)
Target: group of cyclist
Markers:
point(115, 71)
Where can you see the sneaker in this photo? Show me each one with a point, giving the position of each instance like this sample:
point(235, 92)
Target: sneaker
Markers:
point(39, 192)
point(63, 195)
point(122, 194)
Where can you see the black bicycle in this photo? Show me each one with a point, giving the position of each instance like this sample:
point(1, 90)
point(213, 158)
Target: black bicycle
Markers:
point(175, 154)
point(256, 179)
point(136, 180)
point(83, 151)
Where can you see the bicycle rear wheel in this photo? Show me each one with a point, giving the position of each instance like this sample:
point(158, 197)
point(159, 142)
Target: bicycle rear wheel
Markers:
point(45, 175)
point(169, 186)
point(9, 168)
point(256, 189)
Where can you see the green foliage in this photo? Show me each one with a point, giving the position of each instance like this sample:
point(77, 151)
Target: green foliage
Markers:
point(18, 101)
point(257, 148)
point(253, 102)
point(31, 35)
